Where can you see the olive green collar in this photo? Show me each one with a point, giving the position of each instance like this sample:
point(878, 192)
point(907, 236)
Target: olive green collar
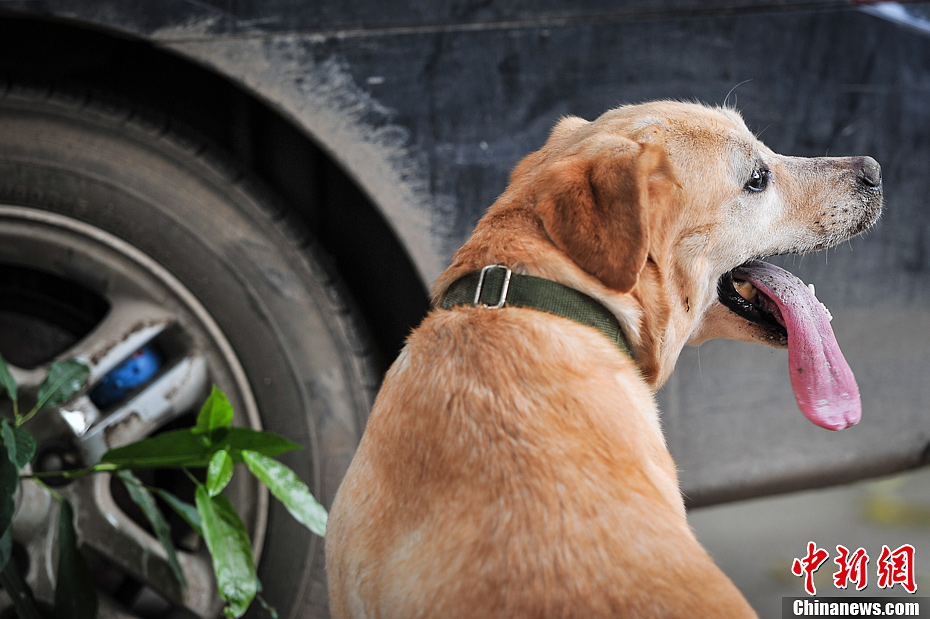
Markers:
point(496, 286)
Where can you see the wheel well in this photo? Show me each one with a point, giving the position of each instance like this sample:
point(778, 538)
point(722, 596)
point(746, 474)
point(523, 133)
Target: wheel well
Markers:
point(364, 251)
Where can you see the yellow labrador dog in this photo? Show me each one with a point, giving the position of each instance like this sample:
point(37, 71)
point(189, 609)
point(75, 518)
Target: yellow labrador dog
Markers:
point(514, 463)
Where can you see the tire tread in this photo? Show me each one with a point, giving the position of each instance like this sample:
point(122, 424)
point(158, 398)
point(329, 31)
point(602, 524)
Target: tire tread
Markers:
point(134, 117)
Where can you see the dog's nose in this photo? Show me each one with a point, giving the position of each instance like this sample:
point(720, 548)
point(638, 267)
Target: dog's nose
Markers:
point(871, 172)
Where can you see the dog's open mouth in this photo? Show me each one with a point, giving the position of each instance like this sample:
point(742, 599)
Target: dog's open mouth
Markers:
point(744, 299)
point(787, 309)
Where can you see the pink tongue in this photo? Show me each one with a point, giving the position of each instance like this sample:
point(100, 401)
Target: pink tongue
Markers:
point(823, 384)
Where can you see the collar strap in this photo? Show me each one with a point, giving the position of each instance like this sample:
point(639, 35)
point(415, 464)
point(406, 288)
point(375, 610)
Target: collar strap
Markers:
point(496, 286)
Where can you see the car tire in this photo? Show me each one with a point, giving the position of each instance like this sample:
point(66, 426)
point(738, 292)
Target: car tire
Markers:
point(133, 179)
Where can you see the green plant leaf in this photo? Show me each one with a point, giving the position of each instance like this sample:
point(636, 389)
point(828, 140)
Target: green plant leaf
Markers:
point(65, 378)
point(230, 549)
point(185, 510)
point(216, 413)
point(266, 443)
point(75, 595)
point(219, 472)
point(20, 444)
point(177, 448)
point(146, 502)
point(287, 488)
point(9, 480)
point(184, 448)
point(6, 381)
point(12, 582)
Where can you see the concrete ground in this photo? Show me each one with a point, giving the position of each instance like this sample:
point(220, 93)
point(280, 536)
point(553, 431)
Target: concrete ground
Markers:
point(755, 542)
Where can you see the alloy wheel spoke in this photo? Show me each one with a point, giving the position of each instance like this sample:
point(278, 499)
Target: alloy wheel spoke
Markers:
point(104, 527)
point(128, 326)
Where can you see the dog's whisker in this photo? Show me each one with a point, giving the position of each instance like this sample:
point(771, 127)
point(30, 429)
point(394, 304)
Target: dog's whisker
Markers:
point(700, 373)
point(732, 92)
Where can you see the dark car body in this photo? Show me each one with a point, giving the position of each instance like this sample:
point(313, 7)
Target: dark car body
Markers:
point(427, 106)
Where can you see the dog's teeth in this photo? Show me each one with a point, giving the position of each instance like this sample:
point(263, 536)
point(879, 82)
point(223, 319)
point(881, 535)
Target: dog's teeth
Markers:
point(745, 290)
point(813, 291)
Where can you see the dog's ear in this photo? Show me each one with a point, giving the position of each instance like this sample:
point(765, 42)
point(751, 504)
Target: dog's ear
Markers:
point(594, 206)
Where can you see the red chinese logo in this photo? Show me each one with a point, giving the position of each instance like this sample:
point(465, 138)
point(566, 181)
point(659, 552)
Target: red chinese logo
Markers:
point(808, 565)
point(897, 567)
point(894, 567)
point(851, 568)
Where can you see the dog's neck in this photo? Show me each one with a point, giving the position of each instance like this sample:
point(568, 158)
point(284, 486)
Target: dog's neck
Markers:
point(514, 237)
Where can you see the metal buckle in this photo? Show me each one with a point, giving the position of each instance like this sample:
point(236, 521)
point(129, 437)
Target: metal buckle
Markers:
point(504, 287)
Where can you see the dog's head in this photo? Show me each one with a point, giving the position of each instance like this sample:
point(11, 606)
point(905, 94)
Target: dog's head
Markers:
point(675, 204)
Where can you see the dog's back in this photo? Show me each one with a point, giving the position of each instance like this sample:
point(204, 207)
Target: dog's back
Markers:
point(513, 467)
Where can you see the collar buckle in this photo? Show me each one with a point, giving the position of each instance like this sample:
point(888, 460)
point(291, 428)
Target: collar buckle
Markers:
point(536, 293)
point(502, 295)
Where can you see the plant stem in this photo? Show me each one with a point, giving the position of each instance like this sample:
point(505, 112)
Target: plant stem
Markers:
point(21, 420)
point(190, 476)
point(51, 491)
point(97, 468)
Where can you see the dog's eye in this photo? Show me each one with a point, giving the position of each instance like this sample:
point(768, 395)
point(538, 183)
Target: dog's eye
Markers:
point(759, 180)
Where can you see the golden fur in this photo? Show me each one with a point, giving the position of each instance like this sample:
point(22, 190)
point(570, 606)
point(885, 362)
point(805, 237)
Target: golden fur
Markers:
point(514, 463)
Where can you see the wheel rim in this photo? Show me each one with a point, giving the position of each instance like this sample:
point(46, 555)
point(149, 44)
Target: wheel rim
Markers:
point(147, 306)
